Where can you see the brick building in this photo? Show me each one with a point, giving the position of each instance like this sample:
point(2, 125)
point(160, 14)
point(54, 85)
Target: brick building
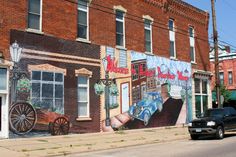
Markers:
point(227, 62)
point(67, 37)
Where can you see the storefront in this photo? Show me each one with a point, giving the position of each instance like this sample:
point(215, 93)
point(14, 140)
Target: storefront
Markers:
point(62, 76)
point(202, 96)
point(4, 96)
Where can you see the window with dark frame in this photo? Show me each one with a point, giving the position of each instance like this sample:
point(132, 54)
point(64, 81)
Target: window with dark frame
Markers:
point(148, 35)
point(230, 77)
point(34, 14)
point(48, 90)
point(120, 28)
point(221, 78)
point(82, 25)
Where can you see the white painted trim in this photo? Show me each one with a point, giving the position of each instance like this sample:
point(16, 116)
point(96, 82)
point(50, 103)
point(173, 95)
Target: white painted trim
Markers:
point(88, 98)
point(147, 17)
point(120, 8)
point(4, 132)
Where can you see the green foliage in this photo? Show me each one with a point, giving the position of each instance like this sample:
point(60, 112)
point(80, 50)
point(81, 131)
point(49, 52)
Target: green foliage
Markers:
point(224, 92)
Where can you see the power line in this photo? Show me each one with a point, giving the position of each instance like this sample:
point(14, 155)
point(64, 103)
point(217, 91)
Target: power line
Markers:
point(139, 19)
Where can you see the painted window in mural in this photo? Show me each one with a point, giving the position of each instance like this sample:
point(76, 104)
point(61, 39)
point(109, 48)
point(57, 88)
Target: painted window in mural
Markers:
point(110, 52)
point(48, 91)
point(82, 19)
point(120, 34)
point(34, 14)
point(123, 58)
point(148, 35)
point(83, 96)
point(135, 70)
point(3, 78)
point(201, 96)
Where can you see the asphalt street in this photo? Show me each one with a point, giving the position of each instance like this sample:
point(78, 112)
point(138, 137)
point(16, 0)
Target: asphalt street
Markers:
point(205, 147)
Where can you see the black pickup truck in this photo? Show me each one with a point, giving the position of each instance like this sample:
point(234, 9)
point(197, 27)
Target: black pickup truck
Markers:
point(213, 122)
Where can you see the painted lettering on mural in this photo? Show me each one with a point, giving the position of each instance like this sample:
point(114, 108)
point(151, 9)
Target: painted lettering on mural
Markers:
point(112, 66)
point(166, 75)
point(142, 71)
point(181, 77)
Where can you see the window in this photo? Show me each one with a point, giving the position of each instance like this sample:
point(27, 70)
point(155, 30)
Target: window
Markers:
point(48, 90)
point(83, 96)
point(192, 54)
point(172, 39)
point(191, 32)
point(172, 48)
point(230, 77)
point(123, 58)
point(171, 25)
point(110, 52)
point(3, 79)
point(135, 73)
point(148, 35)
point(192, 44)
point(35, 14)
point(120, 32)
point(221, 78)
point(201, 96)
point(82, 26)
point(142, 69)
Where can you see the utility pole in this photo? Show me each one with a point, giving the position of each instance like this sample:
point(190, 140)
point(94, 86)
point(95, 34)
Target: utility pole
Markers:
point(215, 36)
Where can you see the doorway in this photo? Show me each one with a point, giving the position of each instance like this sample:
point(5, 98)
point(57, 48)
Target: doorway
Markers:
point(124, 97)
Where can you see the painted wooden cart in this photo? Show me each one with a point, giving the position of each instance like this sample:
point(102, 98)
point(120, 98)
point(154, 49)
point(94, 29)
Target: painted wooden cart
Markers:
point(23, 117)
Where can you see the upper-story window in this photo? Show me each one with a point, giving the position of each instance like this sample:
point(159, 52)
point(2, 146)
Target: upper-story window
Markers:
point(171, 24)
point(148, 35)
point(82, 26)
point(222, 78)
point(35, 14)
point(172, 38)
point(191, 32)
point(192, 44)
point(120, 30)
point(230, 77)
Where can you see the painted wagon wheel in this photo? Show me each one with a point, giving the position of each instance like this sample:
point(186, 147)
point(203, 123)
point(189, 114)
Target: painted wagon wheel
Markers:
point(22, 118)
point(60, 126)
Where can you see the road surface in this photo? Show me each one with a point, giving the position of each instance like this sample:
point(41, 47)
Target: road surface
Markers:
point(205, 147)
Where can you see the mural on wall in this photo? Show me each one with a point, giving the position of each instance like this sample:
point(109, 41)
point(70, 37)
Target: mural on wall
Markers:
point(26, 114)
point(161, 93)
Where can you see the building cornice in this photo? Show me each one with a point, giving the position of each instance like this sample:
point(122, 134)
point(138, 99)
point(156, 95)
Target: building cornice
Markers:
point(182, 9)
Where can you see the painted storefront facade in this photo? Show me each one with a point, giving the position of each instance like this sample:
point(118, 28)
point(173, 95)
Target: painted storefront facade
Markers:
point(61, 75)
point(160, 90)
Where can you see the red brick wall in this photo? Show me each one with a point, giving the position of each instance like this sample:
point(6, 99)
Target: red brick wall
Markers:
point(225, 66)
point(60, 20)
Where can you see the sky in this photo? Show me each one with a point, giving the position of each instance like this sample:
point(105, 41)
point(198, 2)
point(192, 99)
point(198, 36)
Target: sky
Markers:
point(225, 19)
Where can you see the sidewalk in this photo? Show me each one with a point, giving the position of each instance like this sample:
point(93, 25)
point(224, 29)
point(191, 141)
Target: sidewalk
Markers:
point(69, 144)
